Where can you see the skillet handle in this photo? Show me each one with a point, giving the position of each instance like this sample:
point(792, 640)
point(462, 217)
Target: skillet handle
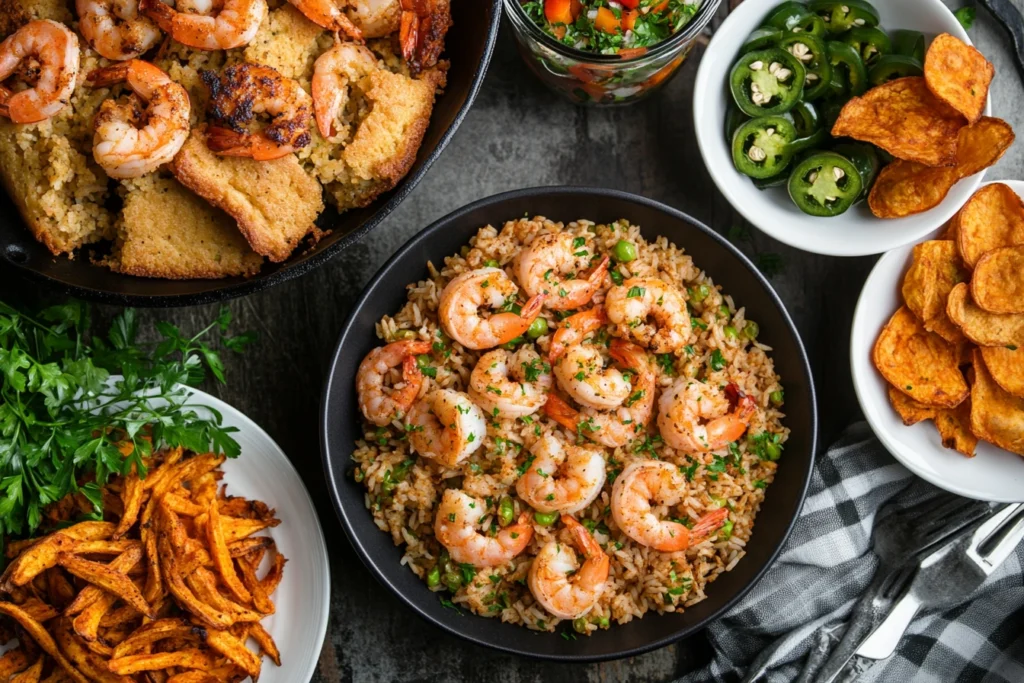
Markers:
point(1010, 17)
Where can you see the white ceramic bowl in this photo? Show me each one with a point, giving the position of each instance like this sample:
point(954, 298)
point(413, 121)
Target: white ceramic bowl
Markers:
point(993, 474)
point(855, 233)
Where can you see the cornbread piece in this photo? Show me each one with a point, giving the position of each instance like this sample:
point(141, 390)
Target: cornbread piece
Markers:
point(287, 42)
point(384, 145)
point(166, 231)
point(275, 202)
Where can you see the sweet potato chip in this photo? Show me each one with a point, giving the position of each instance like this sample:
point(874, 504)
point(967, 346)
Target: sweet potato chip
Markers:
point(147, 634)
point(996, 416)
point(953, 423)
point(958, 75)
point(87, 623)
point(190, 658)
point(44, 640)
point(919, 363)
point(934, 270)
point(222, 556)
point(193, 677)
point(980, 326)
point(13, 661)
point(266, 642)
point(122, 564)
point(904, 188)
point(109, 580)
point(131, 497)
point(992, 218)
point(29, 675)
point(982, 144)
point(235, 651)
point(1006, 365)
point(93, 665)
point(904, 118)
point(909, 410)
point(997, 284)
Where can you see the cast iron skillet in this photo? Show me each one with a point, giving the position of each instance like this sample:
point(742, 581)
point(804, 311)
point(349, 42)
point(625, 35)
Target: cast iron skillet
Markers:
point(728, 267)
point(469, 48)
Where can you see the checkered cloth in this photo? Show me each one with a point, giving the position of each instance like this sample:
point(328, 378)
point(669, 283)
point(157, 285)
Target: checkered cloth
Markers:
point(801, 605)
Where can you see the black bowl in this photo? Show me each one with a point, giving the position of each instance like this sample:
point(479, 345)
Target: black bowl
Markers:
point(386, 294)
point(469, 48)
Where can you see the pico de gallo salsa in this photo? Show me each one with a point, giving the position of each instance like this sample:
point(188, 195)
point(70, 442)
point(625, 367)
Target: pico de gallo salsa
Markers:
point(611, 27)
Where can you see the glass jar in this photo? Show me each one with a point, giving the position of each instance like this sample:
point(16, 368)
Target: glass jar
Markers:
point(597, 79)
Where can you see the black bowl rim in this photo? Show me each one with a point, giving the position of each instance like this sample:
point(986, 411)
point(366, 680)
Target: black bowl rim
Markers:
point(405, 187)
point(332, 476)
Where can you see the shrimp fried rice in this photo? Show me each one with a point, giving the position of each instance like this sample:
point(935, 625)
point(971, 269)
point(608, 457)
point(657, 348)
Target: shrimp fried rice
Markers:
point(717, 485)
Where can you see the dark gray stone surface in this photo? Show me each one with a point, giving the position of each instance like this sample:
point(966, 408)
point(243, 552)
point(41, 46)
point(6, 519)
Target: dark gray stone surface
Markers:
point(520, 135)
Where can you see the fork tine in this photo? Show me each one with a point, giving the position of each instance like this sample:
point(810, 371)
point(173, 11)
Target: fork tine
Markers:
point(997, 542)
point(957, 520)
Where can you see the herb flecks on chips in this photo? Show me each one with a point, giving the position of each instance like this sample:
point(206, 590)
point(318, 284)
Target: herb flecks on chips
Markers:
point(958, 75)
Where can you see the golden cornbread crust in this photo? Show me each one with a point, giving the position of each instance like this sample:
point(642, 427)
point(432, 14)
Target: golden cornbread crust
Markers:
point(166, 231)
point(218, 216)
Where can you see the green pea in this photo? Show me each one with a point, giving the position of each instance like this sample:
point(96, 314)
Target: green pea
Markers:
point(405, 335)
point(423, 361)
point(731, 333)
point(624, 251)
point(776, 397)
point(538, 328)
point(751, 329)
point(545, 518)
point(511, 346)
point(434, 576)
point(699, 293)
point(453, 580)
point(724, 312)
point(580, 625)
point(772, 450)
point(506, 511)
point(725, 533)
point(604, 622)
point(720, 502)
point(491, 263)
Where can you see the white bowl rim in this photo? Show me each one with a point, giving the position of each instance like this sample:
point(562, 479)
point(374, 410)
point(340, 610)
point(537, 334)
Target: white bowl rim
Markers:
point(727, 185)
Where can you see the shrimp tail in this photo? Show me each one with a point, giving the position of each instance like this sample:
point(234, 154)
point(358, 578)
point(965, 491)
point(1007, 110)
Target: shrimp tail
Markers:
point(629, 354)
point(584, 541)
point(512, 325)
point(597, 275)
point(409, 35)
point(561, 412)
point(708, 524)
point(108, 75)
point(230, 143)
point(156, 10)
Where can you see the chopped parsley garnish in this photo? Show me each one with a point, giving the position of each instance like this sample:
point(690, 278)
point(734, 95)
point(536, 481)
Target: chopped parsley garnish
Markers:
point(717, 361)
point(635, 292)
point(667, 364)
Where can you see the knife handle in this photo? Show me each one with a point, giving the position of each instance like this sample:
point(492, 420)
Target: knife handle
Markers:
point(883, 641)
point(1010, 17)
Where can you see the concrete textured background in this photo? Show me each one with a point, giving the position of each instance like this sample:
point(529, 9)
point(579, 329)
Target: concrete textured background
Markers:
point(520, 135)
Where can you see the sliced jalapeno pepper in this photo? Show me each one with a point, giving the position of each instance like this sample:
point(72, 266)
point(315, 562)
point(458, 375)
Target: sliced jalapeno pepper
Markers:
point(768, 183)
point(891, 67)
point(908, 43)
point(815, 140)
point(842, 15)
point(865, 158)
point(733, 120)
point(760, 148)
point(830, 111)
point(845, 58)
point(870, 43)
point(806, 119)
point(825, 184)
point(811, 52)
point(766, 36)
point(786, 15)
point(767, 82)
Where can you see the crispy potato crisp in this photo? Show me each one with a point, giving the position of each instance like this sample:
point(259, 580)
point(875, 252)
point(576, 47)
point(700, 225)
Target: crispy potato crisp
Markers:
point(1006, 365)
point(953, 423)
point(958, 75)
point(919, 363)
point(906, 120)
point(996, 415)
point(934, 271)
point(998, 281)
point(992, 218)
point(980, 326)
point(982, 144)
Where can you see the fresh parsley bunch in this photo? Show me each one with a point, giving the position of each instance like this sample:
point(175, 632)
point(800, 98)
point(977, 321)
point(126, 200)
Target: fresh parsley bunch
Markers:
point(64, 411)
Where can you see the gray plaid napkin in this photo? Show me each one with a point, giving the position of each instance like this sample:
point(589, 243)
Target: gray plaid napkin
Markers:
point(803, 601)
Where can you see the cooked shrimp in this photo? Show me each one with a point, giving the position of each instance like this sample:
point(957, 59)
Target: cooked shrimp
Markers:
point(328, 14)
point(510, 385)
point(561, 478)
point(574, 329)
point(647, 481)
point(557, 264)
point(333, 75)
point(234, 24)
point(115, 29)
point(699, 418)
point(613, 428)
point(424, 25)
point(379, 406)
point(455, 526)
point(130, 141)
point(465, 295)
point(558, 582)
point(446, 426)
point(55, 49)
point(581, 374)
point(245, 90)
point(651, 312)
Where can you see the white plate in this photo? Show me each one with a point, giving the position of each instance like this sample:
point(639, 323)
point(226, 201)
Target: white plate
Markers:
point(855, 233)
point(993, 474)
point(263, 472)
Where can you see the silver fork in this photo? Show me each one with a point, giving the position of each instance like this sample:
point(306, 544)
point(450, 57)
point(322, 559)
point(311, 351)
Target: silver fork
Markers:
point(948, 575)
point(899, 539)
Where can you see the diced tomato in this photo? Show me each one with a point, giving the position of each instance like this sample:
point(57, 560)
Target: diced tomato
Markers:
point(631, 4)
point(660, 7)
point(629, 19)
point(632, 52)
point(558, 11)
point(576, 7)
point(606, 21)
